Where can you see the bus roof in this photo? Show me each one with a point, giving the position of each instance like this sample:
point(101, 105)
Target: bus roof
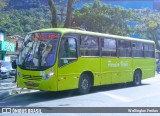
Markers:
point(67, 30)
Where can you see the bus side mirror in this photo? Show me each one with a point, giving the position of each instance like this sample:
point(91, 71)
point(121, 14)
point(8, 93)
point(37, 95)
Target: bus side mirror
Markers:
point(14, 65)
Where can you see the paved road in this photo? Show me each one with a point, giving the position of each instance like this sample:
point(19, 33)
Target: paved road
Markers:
point(146, 95)
point(6, 84)
point(8, 80)
point(107, 96)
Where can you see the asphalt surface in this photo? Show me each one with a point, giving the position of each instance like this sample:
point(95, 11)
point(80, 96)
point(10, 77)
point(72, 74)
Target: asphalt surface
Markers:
point(9, 88)
point(119, 95)
point(6, 85)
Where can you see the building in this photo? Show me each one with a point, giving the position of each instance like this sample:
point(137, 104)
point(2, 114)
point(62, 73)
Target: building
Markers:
point(5, 47)
point(17, 41)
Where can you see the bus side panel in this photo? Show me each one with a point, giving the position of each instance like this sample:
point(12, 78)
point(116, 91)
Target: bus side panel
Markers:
point(147, 66)
point(126, 66)
point(107, 71)
point(116, 70)
point(69, 74)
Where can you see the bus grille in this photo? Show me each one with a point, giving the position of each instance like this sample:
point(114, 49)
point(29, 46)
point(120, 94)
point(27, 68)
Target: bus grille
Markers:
point(29, 77)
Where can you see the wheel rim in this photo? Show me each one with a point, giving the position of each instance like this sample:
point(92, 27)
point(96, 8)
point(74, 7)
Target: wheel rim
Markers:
point(84, 84)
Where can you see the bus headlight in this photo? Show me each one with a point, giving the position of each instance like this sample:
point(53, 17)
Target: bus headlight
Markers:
point(49, 75)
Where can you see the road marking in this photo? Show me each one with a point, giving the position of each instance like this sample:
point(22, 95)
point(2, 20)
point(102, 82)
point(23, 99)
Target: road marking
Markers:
point(148, 96)
point(155, 79)
point(121, 98)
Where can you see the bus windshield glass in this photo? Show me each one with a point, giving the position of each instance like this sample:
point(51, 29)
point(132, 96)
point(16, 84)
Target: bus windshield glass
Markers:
point(39, 51)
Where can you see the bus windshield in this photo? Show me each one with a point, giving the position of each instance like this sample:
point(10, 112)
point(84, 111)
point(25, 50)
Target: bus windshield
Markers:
point(39, 51)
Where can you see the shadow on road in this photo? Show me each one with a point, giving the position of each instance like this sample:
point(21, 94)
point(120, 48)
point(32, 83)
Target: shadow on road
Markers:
point(26, 99)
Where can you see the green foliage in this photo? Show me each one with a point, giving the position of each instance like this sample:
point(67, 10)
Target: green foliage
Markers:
point(149, 25)
point(22, 16)
point(23, 21)
point(104, 18)
point(3, 3)
point(53, 13)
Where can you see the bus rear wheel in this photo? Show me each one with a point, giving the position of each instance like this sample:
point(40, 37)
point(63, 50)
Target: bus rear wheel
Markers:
point(84, 84)
point(137, 80)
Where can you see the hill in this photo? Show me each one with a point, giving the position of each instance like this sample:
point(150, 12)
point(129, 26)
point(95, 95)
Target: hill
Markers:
point(22, 16)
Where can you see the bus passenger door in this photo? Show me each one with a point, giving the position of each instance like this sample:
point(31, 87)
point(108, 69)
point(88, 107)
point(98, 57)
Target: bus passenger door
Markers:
point(67, 70)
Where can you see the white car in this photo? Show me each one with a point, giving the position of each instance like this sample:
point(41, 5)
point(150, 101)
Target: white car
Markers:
point(6, 69)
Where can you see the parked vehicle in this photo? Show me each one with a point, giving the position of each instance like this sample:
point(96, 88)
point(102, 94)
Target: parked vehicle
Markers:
point(6, 70)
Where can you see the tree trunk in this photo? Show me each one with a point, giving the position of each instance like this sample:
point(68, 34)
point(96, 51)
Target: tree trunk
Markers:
point(153, 37)
point(68, 22)
point(53, 13)
point(156, 42)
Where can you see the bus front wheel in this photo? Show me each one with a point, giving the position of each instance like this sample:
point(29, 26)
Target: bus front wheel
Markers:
point(137, 78)
point(84, 84)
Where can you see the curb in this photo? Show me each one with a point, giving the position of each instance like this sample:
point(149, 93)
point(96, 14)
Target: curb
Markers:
point(15, 91)
point(21, 91)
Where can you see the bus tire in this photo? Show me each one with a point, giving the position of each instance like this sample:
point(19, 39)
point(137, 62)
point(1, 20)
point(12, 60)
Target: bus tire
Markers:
point(84, 84)
point(137, 80)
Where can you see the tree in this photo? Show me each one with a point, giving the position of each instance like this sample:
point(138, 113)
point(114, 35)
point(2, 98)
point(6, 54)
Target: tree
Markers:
point(3, 3)
point(23, 21)
point(18, 18)
point(148, 25)
point(53, 13)
point(104, 18)
point(68, 22)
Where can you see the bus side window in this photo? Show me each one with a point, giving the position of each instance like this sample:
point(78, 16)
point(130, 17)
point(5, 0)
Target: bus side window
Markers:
point(149, 50)
point(124, 48)
point(68, 51)
point(89, 46)
point(137, 49)
point(108, 47)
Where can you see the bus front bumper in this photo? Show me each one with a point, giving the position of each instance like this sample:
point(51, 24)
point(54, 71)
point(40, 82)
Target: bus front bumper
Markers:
point(44, 85)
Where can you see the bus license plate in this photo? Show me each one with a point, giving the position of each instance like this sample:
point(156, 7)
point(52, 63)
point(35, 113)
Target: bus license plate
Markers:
point(30, 83)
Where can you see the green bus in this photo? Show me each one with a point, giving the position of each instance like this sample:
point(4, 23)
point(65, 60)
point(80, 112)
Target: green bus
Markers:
point(59, 59)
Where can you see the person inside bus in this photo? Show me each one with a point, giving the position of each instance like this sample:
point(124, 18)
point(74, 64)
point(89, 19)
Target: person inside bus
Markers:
point(39, 54)
point(47, 57)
